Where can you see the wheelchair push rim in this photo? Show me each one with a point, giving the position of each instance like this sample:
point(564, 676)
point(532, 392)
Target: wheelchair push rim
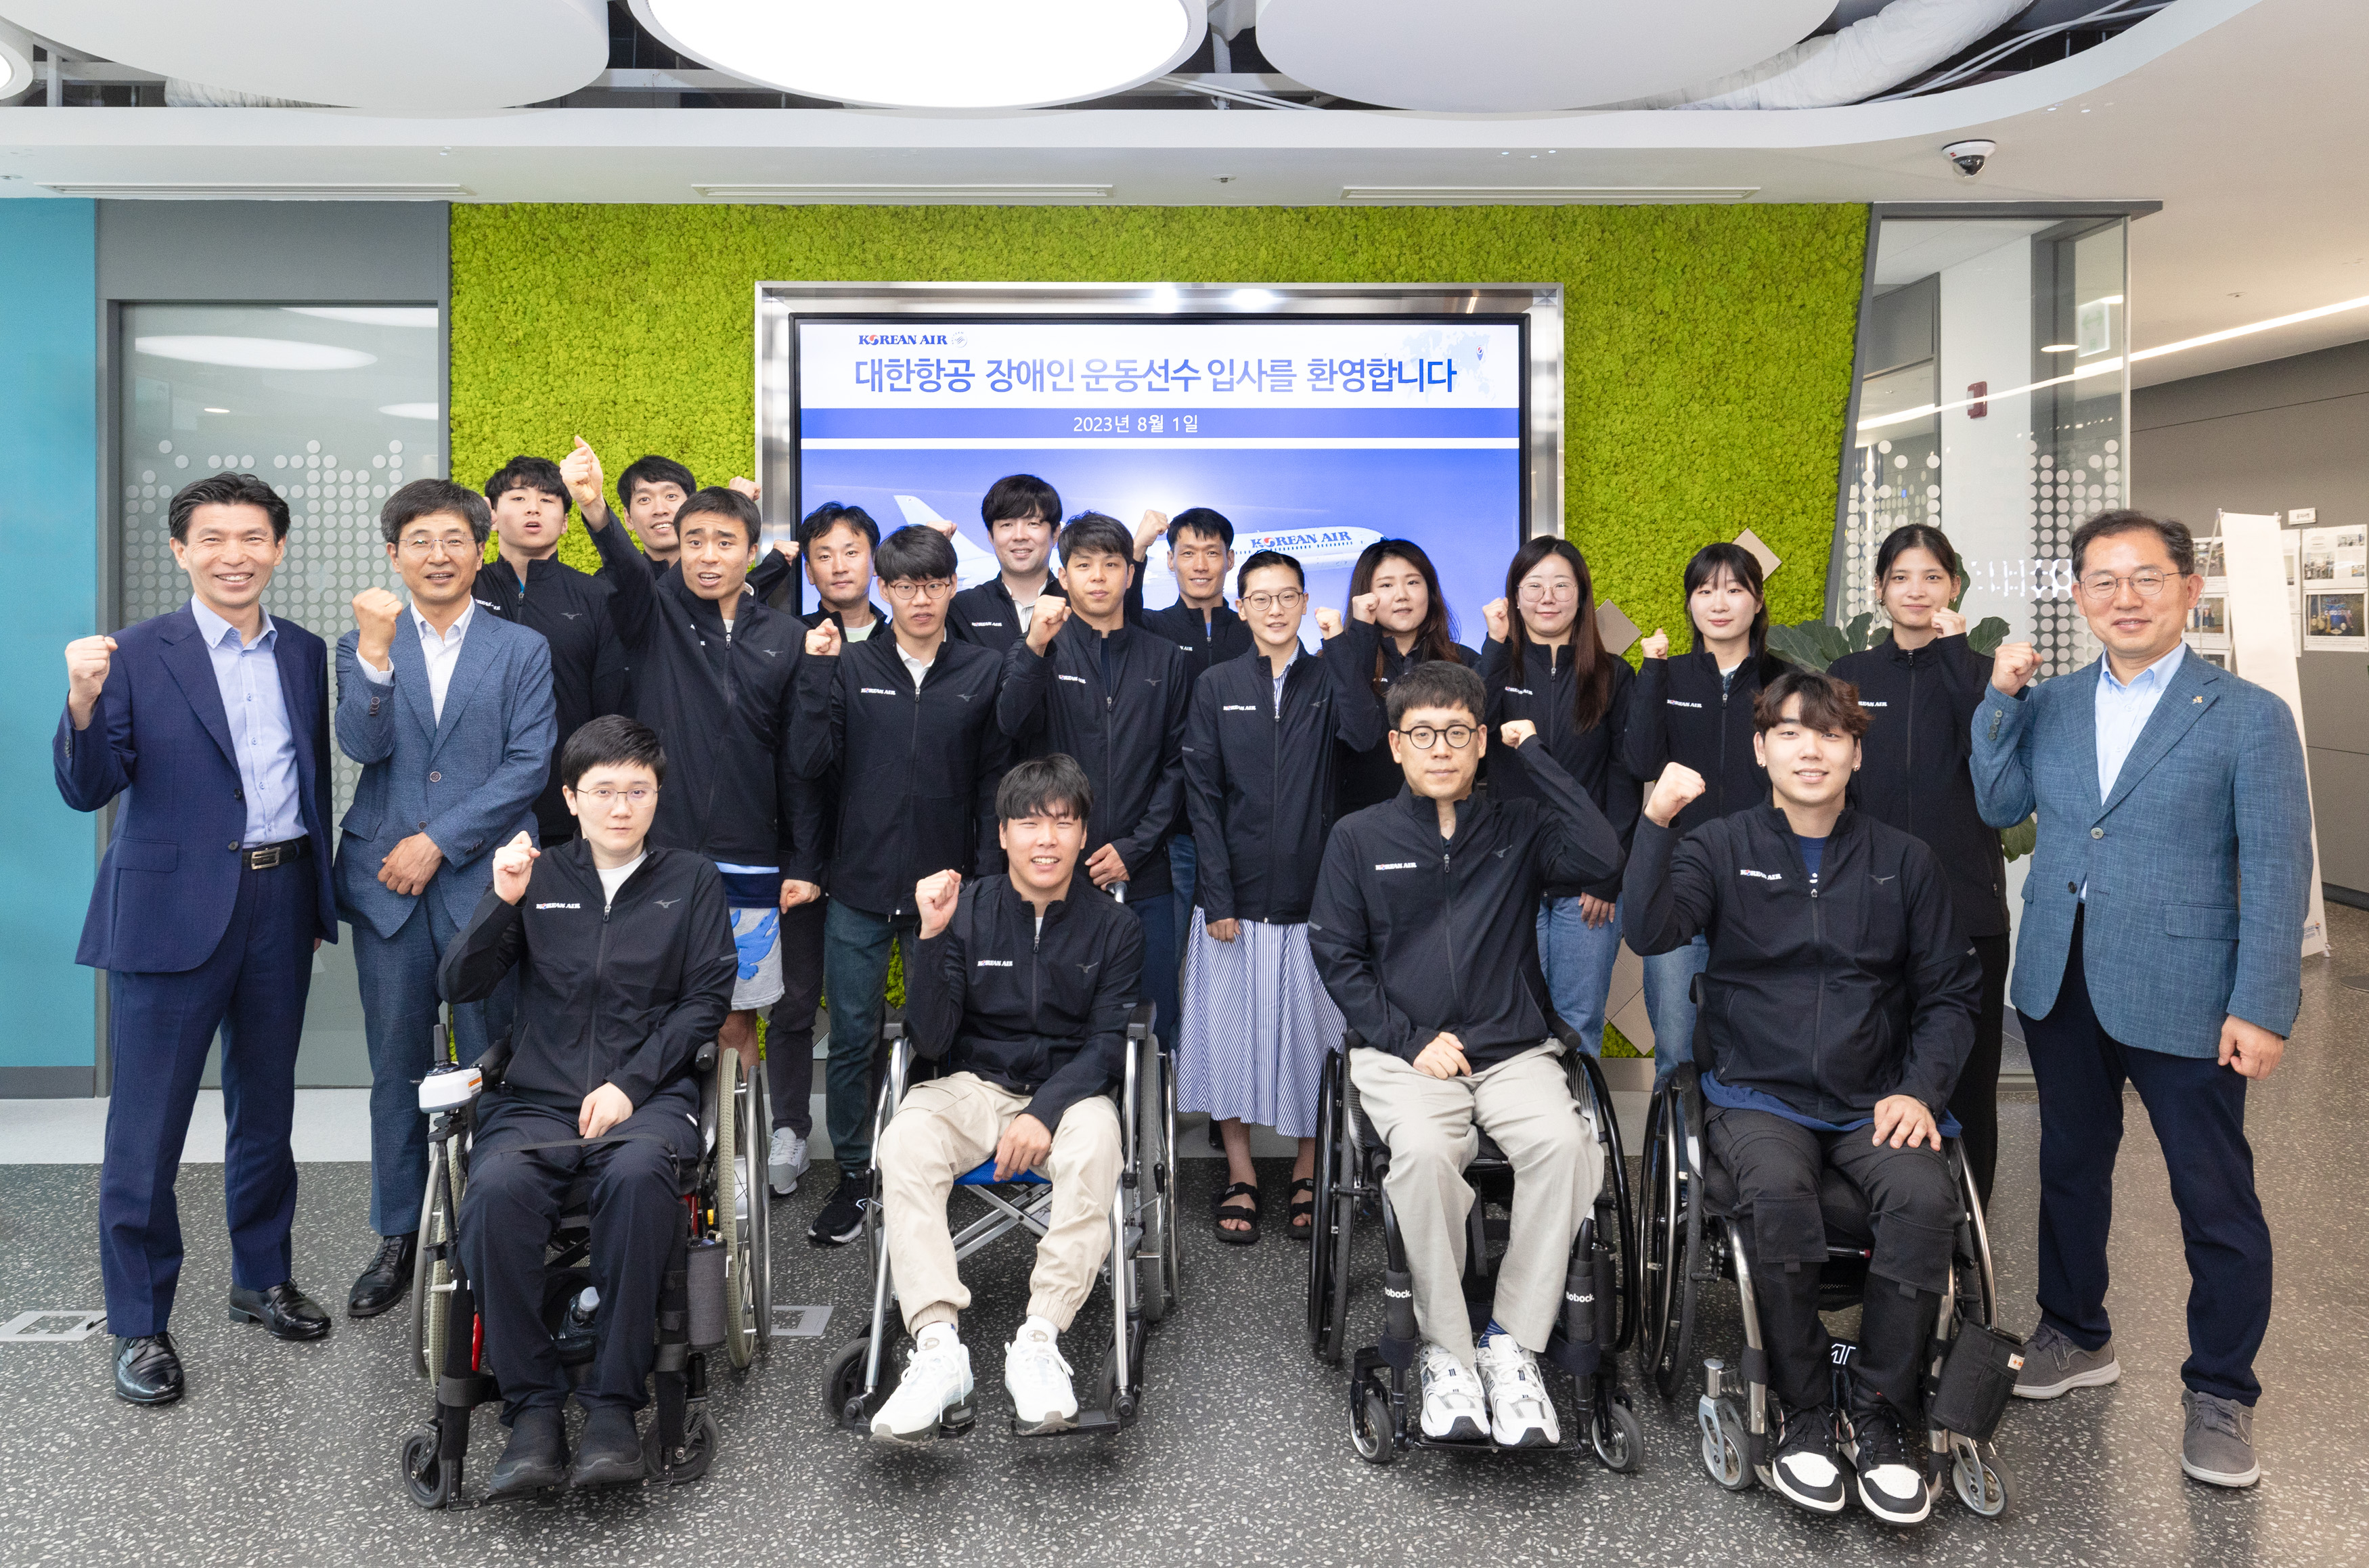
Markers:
point(734, 1202)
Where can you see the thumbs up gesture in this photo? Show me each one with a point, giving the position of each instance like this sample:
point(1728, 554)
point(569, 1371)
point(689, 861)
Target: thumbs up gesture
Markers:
point(513, 867)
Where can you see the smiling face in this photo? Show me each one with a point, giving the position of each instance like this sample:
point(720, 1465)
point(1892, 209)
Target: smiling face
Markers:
point(649, 512)
point(716, 556)
point(1022, 543)
point(531, 520)
point(1200, 562)
point(1042, 851)
point(1915, 587)
point(438, 557)
point(1441, 770)
point(1722, 607)
point(1272, 604)
point(229, 554)
point(1548, 597)
point(839, 564)
point(2137, 629)
point(1401, 598)
point(1807, 766)
point(603, 802)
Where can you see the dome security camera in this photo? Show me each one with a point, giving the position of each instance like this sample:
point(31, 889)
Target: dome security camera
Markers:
point(1968, 157)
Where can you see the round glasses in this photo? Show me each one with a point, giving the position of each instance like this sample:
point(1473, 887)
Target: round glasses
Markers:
point(1423, 737)
point(1260, 603)
point(905, 593)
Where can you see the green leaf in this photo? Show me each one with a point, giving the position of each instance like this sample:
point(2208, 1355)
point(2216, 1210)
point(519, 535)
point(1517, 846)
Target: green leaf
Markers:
point(1806, 643)
point(1855, 636)
point(2017, 840)
point(1987, 634)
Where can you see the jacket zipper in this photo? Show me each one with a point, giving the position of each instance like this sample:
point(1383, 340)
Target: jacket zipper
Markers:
point(1908, 757)
point(912, 758)
point(1447, 877)
point(731, 716)
point(600, 974)
point(1725, 688)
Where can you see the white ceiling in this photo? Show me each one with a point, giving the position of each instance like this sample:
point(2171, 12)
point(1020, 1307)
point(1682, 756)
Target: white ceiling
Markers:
point(2245, 118)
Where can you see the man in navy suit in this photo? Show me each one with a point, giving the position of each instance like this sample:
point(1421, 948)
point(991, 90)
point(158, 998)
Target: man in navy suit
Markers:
point(450, 715)
point(211, 724)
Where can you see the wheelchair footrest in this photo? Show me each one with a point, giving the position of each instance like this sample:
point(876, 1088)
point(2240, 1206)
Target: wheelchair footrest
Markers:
point(465, 1393)
point(1089, 1423)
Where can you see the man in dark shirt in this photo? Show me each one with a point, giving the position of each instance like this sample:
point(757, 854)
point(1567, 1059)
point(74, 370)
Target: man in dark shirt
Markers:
point(1022, 513)
point(652, 489)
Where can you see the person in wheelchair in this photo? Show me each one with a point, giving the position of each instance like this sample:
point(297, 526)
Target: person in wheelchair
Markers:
point(1424, 927)
point(1836, 1010)
point(1020, 990)
point(626, 967)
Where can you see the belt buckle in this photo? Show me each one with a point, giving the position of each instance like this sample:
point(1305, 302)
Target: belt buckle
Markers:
point(263, 859)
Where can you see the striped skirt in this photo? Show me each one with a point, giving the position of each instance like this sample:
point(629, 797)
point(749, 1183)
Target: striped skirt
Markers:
point(1257, 1024)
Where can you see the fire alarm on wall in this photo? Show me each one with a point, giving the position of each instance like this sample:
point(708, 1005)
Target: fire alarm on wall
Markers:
point(1977, 399)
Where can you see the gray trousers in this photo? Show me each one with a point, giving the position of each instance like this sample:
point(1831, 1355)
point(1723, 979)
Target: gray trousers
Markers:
point(1433, 1127)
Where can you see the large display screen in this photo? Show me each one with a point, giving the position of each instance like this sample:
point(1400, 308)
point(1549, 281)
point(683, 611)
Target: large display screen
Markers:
point(1314, 436)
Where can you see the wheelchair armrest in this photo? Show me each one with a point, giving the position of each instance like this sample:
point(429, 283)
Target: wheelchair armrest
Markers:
point(1138, 1020)
point(1350, 1041)
point(705, 1057)
point(494, 1061)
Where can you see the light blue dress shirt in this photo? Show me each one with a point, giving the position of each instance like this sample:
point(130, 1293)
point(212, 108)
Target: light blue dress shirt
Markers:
point(2122, 713)
point(260, 733)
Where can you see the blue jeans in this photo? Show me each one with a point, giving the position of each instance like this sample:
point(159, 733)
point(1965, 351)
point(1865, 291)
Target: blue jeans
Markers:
point(1181, 862)
point(1577, 960)
point(1669, 977)
point(854, 983)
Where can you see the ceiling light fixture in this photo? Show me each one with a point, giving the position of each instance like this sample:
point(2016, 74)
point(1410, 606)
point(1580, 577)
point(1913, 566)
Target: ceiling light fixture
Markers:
point(2058, 348)
point(370, 316)
point(217, 410)
point(934, 54)
point(253, 353)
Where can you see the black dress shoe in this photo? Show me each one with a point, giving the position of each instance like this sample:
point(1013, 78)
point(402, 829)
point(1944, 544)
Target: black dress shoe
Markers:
point(388, 1277)
point(536, 1458)
point(285, 1311)
point(147, 1368)
point(610, 1452)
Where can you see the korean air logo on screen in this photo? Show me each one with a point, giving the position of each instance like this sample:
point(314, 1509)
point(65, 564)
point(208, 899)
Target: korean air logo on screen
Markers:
point(912, 340)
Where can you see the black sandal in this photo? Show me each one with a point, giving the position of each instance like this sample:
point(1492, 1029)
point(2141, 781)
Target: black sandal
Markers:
point(1303, 1212)
point(1241, 1215)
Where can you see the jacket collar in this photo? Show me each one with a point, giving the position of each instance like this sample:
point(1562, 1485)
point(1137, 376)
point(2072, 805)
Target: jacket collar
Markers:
point(1425, 811)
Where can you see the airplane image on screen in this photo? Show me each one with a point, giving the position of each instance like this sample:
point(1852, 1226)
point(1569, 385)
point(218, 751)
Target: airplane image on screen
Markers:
point(1311, 547)
point(973, 565)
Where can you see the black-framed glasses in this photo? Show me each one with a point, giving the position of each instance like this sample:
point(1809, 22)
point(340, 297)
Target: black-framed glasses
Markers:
point(1423, 737)
point(904, 590)
point(641, 795)
point(1260, 603)
point(2105, 585)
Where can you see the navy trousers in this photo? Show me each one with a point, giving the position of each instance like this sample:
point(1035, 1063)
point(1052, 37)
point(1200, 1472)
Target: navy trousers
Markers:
point(159, 1028)
point(400, 1004)
point(1157, 914)
point(789, 1029)
point(2198, 1108)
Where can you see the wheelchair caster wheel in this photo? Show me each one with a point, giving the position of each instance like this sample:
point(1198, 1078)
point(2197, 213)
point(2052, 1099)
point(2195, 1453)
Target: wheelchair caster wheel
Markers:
point(1619, 1441)
point(1724, 1444)
point(1370, 1426)
point(424, 1474)
point(1982, 1483)
point(843, 1404)
point(691, 1461)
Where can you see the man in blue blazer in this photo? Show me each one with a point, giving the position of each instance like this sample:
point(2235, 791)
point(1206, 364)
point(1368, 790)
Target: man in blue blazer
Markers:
point(450, 714)
point(2160, 946)
point(211, 725)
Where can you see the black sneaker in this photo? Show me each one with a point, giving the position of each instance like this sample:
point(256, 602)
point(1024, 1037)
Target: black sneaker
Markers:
point(841, 1220)
point(1806, 1468)
point(1891, 1469)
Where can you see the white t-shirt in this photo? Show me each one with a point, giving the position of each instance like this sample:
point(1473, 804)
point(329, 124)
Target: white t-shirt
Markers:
point(916, 668)
point(614, 877)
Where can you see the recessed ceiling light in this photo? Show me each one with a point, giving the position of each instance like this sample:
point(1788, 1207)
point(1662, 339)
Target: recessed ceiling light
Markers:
point(217, 410)
point(253, 353)
point(370, 315)
point(409, 410)
point(2058, 348)
point(934, 54)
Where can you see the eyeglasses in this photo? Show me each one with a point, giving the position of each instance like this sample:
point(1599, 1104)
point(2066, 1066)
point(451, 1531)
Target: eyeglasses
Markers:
point(2101, 586)
point(449, 545)
point(1289, 599)
point(907, 591)
point(1535, 592)
point(1422, 737)
point(639, 795)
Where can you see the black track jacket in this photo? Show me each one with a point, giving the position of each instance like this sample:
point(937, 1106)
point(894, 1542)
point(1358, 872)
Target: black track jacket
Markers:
point(1207, 643)
point(1372, 776)
point(588, 663)
point(1415, 933)
point(1916, 769)
point(1128, 735)
point(1829, 1000)
point(1543, 693)
point(1259, 778)
point(988, 616)
point(622, 994)
point(1678, 713)
point(1041, 1014)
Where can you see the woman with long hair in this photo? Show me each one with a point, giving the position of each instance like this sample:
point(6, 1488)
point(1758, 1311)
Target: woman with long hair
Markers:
point(1920, 689)
point(1394, 588)
point(1697, 709)
point(1543, 662)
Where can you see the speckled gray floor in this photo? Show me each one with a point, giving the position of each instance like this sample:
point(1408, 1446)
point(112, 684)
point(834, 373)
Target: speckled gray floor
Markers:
point(285, 1454)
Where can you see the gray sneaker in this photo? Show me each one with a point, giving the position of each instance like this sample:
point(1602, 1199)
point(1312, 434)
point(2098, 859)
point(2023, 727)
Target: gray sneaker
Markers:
point(2218, 1446)
point(2054, 1365)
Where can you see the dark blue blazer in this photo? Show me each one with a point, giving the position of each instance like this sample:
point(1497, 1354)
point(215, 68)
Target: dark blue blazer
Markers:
point(160, 738)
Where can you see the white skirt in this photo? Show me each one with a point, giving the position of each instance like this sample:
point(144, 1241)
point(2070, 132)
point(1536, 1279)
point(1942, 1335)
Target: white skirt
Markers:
point(1257, 1024)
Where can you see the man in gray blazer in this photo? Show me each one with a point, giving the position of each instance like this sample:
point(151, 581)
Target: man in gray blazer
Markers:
point(450, 714)
point(2161, 945)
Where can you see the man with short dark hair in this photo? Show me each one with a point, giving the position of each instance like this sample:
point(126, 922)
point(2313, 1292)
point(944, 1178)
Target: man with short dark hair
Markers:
point(1022, 513)
point(904, 724)
point(835, 542)
point(1201, 554)
point(652, 489)
point(211, 725)
point(1838, 1004)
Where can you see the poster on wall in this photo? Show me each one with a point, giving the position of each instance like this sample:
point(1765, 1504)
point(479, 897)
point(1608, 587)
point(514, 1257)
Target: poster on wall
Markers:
point(2260, 652)
point(1315, 437)
point(2208, 622)
point(2291, 550)
point(2334, 575)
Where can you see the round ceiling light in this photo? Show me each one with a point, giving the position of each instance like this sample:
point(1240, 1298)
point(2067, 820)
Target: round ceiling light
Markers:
point(253, 353)
point(934, 54)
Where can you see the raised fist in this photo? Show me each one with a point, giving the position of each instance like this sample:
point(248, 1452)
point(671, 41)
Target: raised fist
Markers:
point(86, 663)
point(1657, 645)
point(933, 900)
point(1328, 622)
point(376, 610)
point(513, 867)
point(1045, 619)
point(1513, 731)
point(1362, 607)
point(748, 488)
point(1154, 524)
point(1678, 787)
point(1949, 624)
point(1499, 623)
point(580, 472)
point(2014, 664)
point(822, 638)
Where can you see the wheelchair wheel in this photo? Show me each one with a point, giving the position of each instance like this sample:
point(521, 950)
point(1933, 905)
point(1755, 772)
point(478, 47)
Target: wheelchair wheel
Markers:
point(1155, 1159)
point(843, 1384)
point(1335, 1221)
point(423, 1476)
point(1369, 1423)
point(1618, 1439)
point(1981, 1482)
point(431, 1276)
point(734, 1200)
point(1726, 1443)
point(698, 1448)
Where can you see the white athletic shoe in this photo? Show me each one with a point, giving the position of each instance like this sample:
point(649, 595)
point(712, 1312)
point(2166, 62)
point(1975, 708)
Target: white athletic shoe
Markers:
point(1038, 1380)
point(1454, 1408)
point(1521, 1414)
point(937, 1380)
point(788, 1163)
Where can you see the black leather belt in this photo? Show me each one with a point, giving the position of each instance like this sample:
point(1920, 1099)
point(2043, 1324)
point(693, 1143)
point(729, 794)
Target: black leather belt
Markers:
point(263, 857)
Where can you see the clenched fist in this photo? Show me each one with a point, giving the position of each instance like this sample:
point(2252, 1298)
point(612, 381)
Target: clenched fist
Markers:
point(1154, 524)
point(934, 900)
point(1501, 626)
point(1657, 645)
point(745, 486)
point(1513, 731)
point(1362, 607)
point(1328, 622)
point(822, 640)
point(1949, 624)
point(1045, 619)
point(1678, 787)
point(580, 472)
point(376, 610)
point(87, 664)
point(513, 866)
point(2012, 666)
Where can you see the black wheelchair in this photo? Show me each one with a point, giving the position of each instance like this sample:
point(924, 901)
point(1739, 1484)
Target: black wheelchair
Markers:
point(717, 1293)
point(1599, 1294)
point(1690, 1243)
point(1140, 1272)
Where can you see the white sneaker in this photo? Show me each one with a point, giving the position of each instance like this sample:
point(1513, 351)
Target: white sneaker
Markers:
point(1454, 1407)
point(1038, 1380)
point(1522, 1415)
point(788, 1163)
point(937, 1379)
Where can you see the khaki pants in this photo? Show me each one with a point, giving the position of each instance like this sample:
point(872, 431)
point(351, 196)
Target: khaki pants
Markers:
point(1430, 1126)
point(946, 1125)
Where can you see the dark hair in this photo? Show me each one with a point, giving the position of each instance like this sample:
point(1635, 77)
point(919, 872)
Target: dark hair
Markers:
point(1267, 558)
point(1093, 532)
point(226, 489)
point(1592, 693)
point(1020, 495)
point(528, 474)
point(722, 502)
point(653, 470)
point(426, 497)
point(830, 515)
point(2177, 540)
point(1916, 536)
point(916, 554)
point(1045, 787)
point(1435, 638)
point(1826, 702)
point(610, 739)
point(1745, 568)
point(1438, 683)
point(1201, 520)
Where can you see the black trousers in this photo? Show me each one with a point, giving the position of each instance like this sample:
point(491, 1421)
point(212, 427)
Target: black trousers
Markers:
point(514, 1198)
point(1976, 1101)
point(789, 1028)
point(1912, 1207)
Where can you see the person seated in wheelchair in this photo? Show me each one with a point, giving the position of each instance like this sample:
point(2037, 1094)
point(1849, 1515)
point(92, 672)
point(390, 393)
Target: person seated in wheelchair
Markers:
point(1020, 990)
point(1424, 927)
point(1836, 1010)
point(626, 966)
